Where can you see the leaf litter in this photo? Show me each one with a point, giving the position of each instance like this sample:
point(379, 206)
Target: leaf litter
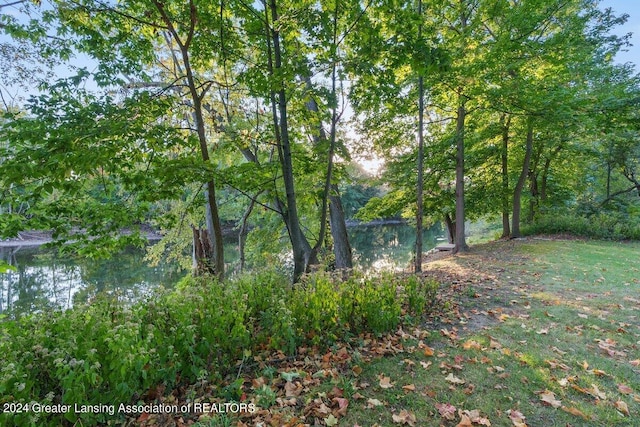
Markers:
point(328, 387)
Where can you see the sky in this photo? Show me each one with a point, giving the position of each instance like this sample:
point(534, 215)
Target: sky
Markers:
point(632, 8)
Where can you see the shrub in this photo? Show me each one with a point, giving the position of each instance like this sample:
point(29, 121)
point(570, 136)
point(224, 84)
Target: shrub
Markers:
point(107, 352)
point(615, 225)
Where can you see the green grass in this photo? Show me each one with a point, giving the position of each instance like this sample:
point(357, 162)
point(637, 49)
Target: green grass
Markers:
point(560, 316)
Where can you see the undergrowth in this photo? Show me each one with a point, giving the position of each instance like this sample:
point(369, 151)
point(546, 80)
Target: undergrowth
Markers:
point(601, 224)
point(106, 352)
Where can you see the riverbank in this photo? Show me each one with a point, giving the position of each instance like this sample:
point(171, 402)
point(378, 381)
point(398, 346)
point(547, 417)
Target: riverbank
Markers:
point(27, 238)
point(34, 238)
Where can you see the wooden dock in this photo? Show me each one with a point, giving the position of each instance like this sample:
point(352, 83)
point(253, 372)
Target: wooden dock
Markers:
point(446, 247)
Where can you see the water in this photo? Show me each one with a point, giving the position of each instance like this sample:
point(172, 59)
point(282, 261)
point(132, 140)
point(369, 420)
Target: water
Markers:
point(390, 246)
point(43, 281)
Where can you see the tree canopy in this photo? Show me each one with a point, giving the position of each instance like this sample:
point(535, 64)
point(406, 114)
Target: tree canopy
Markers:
point(191, 115)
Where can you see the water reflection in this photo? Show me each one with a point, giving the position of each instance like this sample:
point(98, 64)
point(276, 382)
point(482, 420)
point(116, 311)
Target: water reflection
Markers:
point(389, 246)
point(42, 280)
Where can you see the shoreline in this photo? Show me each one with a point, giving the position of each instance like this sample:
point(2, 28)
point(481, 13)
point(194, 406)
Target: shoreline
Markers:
point(36, 238)
point(32, 239)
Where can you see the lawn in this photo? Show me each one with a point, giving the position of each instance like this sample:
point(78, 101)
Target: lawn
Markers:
point(536, 332)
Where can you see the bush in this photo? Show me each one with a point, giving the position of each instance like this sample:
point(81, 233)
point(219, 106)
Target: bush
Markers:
point(603, 224)
point(108, 353)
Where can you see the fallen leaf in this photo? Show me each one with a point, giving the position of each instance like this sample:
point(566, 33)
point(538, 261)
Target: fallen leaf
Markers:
point(517, 418)
point(454, 380)
point(624, 389)
point(465, 421)
point(371, 403)
point(574, 411)
point(257, 383)
point(595, 392)
point(425, 365)
point(343, 404)
point(404, 417)
point(409, 387)
point(622, 407)
point(471, 344)
point(476, 418)
point(357, 370)
point(428, 351)
point(331, 420)
point(635, 362)
point(408, 362)
point(289, 376)
point(446, 410)
point(385, 382)
point(550, 398)
point(292, 389)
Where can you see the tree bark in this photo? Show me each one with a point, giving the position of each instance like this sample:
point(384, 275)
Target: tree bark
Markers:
point(243, 231)
point(331, 195)
point(451, 228)
point(215, 260)
point(420, 162)
point(301, 249)
point(460, 241)
point(341, 245)
point(504, 156)
point(517, 192)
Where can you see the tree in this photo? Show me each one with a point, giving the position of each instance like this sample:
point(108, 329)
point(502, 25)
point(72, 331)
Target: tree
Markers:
point(123, 39)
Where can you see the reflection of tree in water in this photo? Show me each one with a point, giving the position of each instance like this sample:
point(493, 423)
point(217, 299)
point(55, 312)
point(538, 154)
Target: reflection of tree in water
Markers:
point(389, 245)
point(44, 280)
point(36, 284)
point(126, 276)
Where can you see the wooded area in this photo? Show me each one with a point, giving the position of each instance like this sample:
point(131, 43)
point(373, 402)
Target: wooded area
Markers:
point(192, 115)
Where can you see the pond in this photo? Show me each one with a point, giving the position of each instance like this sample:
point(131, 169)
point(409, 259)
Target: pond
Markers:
point(42, 280)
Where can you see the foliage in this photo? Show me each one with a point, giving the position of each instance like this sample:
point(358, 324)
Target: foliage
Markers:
point(4, 267)
point(105, 352)
point(618, 224)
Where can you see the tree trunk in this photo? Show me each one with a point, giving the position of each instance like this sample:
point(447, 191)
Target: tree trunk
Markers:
point(214, 229)
point(300, 246)
point(535, 193)
point(533, 176)
point(545, 172)
point(506, 228)
point(202, 252)
point(460, 242)
point(341, 245)
point(331, 195)
point(420, 165)
point(451, 228)
point(517, 192)
point(243, 231)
